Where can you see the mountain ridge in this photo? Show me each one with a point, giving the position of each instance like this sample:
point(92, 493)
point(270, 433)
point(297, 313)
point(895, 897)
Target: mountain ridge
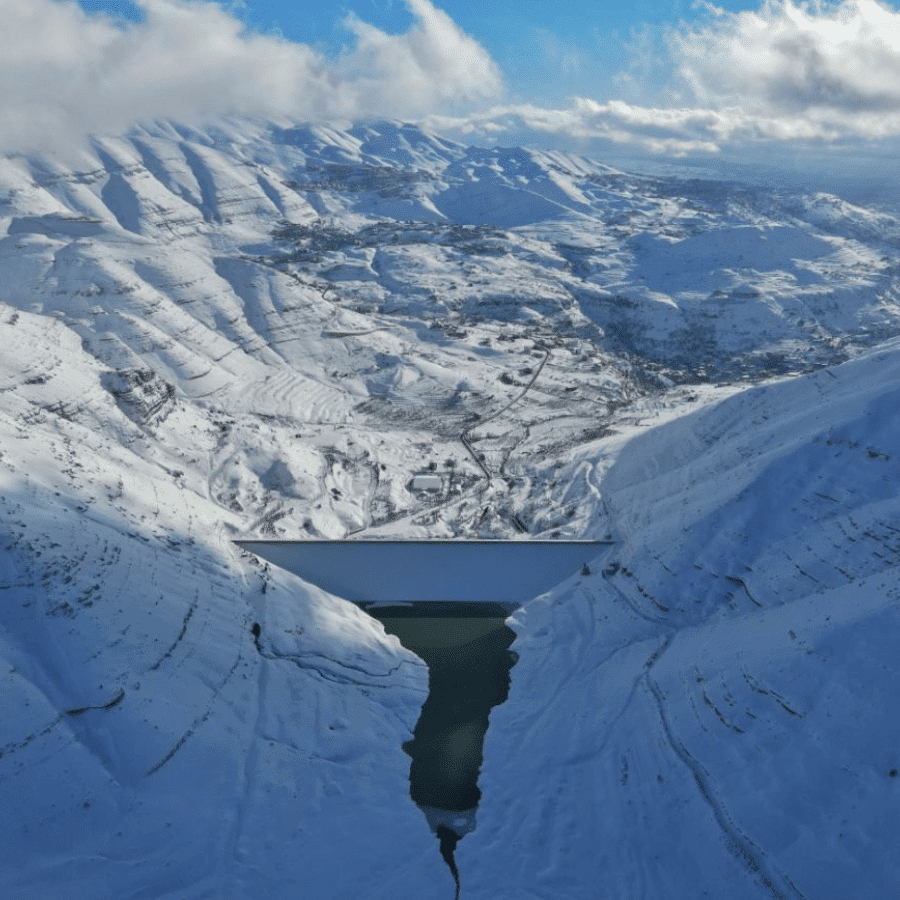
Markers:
point(268, 329)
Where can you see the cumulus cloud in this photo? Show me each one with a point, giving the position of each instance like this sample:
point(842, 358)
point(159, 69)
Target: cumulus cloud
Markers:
point(841, 61)
point(590, 126)
point(785, 73)
point(66, 73)
point(434, 63)
point(593, 127)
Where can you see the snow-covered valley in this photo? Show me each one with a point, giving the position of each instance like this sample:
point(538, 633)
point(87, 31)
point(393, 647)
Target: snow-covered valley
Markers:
point(274, 330)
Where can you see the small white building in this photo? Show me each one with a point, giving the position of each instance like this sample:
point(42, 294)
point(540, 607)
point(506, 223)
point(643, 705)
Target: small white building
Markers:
point(427, 483)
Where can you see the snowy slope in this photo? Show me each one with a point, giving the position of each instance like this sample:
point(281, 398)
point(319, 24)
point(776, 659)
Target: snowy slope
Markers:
point(382, 284)
point(151, 746)
point(714, 710)
point(267, 329)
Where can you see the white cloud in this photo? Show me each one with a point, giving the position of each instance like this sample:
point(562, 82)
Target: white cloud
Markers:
point(786, 73)
point(590, 126)
point(66, 73)
point(434, 64)
point(840, 61)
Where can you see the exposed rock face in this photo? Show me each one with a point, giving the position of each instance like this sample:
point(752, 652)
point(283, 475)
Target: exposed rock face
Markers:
point(141, 394)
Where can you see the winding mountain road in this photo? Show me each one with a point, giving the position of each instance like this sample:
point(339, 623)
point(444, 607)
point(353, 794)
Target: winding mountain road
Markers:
point(465, 435)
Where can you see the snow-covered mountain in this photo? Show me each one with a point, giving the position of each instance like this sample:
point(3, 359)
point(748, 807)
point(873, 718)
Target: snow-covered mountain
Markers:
point(269, 329)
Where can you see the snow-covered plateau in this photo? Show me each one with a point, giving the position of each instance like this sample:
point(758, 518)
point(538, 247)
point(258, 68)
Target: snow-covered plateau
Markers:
point(264, 329)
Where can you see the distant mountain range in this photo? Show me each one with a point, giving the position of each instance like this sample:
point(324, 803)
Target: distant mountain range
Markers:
point(267, 329)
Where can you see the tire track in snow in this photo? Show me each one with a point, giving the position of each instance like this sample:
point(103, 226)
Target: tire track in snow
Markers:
point(198, 722)
point(250, 766)
point(465, 434)
point(184, 626)
point(741, 845)
point(302, 661)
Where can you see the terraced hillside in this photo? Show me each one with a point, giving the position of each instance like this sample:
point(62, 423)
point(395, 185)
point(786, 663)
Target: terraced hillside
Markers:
point(276, 330)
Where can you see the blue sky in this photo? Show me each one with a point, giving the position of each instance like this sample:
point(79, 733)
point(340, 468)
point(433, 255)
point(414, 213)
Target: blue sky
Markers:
point(752, 81)
point(547, 51)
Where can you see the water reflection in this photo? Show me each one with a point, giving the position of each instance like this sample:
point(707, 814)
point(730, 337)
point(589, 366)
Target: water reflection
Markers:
point(468, 662)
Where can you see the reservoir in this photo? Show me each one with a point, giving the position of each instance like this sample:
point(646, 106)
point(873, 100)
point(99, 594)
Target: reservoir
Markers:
point(447, 602)
point(466, 648)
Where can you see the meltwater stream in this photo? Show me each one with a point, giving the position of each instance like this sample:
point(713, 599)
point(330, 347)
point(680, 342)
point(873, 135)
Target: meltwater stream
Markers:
point(447, 602)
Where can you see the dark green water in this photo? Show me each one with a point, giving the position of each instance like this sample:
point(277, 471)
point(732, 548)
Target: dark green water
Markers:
point(466, 647)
